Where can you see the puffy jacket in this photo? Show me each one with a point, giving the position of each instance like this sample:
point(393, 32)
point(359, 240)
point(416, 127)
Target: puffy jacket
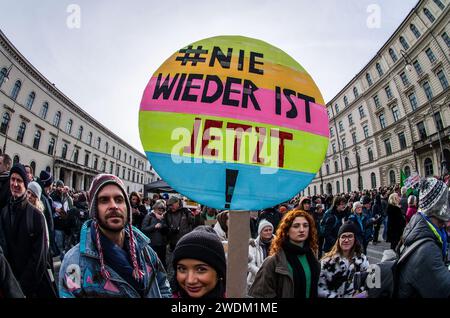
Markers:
point(255, 260)
point(424, 273)
point(80, 275)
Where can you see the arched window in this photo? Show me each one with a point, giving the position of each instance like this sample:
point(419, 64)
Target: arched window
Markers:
point(404, 43)
point(349, 185)
point(369, 79)
point(439, 4)
point(428, 167)
point(33, 166)
point(329, 188)
point(429, 15)
point(327, 167)
point(99, 141)
point(80, 133)
point(64, 151)
point(75, 156)
point(57, 119)
point(37, 139)
point(16, 89)
point(3, 73)
point(69, 126)
point(414, 30)
point(345, 101)
point(392, 177)
point(106, 147)
point(379, 69)
point(347, 163)
point(393, 55)
point(336, 169)
point(21, 132)
point(113, 151)
point(338, 187)
point(5, 122)
point(119, 154)
point(370, 154)
point(407, 171)
point(16, 159)
point(44, 110)
point(355, 92)
point(30, 100)
point(51, 146)
point(315, 188)
point(89, 139)
point(373, 180)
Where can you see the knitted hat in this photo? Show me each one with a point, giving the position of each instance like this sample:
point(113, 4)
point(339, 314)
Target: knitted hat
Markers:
point(45, 178)
point(348, 226)
point(59, 183)
point(365, 200)
point(264, 223)
point(34, 187)
point(202, 246)
point(434, 199)
point(20, 170)
point(98, 183)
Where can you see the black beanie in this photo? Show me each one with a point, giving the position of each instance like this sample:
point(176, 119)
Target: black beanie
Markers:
point(203, 246)
point(20, 170)
point(348, 226)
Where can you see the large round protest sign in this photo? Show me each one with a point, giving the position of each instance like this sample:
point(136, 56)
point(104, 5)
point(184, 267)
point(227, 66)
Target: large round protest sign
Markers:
point(234, 123)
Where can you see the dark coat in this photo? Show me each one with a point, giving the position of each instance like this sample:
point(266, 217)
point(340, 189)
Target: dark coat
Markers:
point(5, 191)
point(332, 224)
point(396, 223)
point(9, 287)
point(179, 223)
point(158, 237)
point(139, 217)
point(27, 253)
point(424, 273)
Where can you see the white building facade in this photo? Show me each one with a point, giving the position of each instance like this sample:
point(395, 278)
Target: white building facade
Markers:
point(41, 127)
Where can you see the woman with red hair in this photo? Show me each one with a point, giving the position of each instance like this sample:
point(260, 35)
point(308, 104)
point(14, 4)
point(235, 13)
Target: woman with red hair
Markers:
point(292, 269)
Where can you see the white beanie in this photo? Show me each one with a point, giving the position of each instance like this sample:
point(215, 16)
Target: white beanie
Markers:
point(262, 224)
point(35, 188)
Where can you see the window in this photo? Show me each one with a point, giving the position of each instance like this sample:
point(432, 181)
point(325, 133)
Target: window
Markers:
point(69, 126)
point(113, 151)
point(106, 147)
point(379, 69)
point(86, 160)
point(117, 170)
point(123, 173)
point(3, 73)
point(404, 78)
point(37, 139)
point(336, 107)
point(51, 146)
point(355, 92)
point(347, 163)
point(373, 180)
point(370, 154)
point(104, 166)
point(361, 112)
point(382, 121)
point(430, 55)
point(407, 171)
point(422, 130)
point(129, 174)
point(429, 15)
point(331, 132)
point(134, 176)
point(395, 113)
point(442, 79)
point(388, 147)
point(30, 100)
point(428, 167)
point(99, 141)
point(333, 146)
point(445, 37)
point(438, 121)
point(33, 166)
point(95, 163)
point(413, 101)
point(414, 30)
point(16, 89)
point(119, 154)
point(80, 132)
point(89, 138)
point(328, 112)
point(16, 159)
point(402, 140)
point(350, 119)
point(327, 167)
point(345, 101)
point(64, 151)
point(344, 143)
point(377, 101)
point(75, 155)
point(354, 137)
point(388, 91)
point(404, 43)
point(21, 132)
point(366, 131)
point(427, 88)
point(393, 55)
point(417, 67)
point(44, 110)
point(57, 119)
point(369, 78)
point(338, 187)
point(5, 122)
point(336, 168)
point(341, 126)
point(439, 4)
point(111, 168)
point(349, 185)
point(391, 177)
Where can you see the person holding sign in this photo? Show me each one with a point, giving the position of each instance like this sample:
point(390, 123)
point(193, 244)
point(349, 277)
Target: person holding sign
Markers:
point(292, 269)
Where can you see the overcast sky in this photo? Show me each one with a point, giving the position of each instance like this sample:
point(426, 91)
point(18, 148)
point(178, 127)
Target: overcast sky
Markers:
point(105, 64)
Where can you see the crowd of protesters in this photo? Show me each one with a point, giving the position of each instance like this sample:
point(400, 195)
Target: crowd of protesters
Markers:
point(115, 244)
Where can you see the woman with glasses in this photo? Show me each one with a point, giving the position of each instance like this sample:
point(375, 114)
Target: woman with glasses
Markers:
point(340, 264)
point(155, 227)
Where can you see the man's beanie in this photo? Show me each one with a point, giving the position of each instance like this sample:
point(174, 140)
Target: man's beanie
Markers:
point(20, 170)
point(264, 223)
point(45, 179)
point(365, 200)
point(59, 183)
point(202, 246)
point(434, 199)
point(348, 226)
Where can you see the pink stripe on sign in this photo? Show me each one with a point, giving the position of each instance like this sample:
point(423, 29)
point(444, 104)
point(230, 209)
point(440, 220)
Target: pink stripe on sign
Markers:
point(266, 100)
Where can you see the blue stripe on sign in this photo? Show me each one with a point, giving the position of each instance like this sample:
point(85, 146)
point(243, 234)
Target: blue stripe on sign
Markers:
point(256, 188)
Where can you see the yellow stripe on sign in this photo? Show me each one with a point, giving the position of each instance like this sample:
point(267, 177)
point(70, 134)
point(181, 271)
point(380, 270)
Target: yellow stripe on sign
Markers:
point(261, 145)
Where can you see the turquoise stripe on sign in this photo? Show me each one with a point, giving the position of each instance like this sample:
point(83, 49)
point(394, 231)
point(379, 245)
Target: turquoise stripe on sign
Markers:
point(256, 188)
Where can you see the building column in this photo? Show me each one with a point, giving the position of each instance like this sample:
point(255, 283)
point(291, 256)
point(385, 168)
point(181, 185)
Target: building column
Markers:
point(68, 178)
point(82, 176)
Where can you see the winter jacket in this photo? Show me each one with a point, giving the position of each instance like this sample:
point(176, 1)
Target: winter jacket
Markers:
point(220, 232)
point(158, 237)
point(179, 223)
point(423, 274)
point(396, 223)
point(333, 221)
point(336, 276)
point(410, 212)
point(80, 275)
point(5, 191)
point(404, 204)
point(139, 216)
point(9, 287)
point(255, 259)
point(364, 225)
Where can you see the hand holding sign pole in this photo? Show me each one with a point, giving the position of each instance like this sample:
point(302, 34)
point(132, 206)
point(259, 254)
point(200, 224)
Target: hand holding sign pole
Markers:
point(234, 123)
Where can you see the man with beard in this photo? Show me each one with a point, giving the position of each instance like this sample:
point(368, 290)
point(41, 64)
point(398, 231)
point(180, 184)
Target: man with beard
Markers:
point(113, 259)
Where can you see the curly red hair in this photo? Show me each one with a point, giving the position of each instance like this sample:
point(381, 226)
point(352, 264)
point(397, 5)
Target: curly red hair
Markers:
point(283, 228)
